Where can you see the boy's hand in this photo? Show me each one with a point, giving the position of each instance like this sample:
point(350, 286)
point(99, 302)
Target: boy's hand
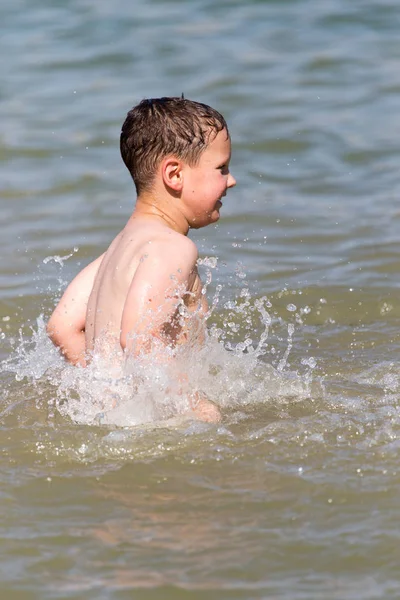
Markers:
point(205, 410)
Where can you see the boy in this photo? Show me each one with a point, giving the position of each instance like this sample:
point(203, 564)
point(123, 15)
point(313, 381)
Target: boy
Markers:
point(177, 152)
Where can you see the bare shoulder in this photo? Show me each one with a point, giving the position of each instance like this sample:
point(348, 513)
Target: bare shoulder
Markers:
point(85, 278)
point(75, 297)
point(174, 249)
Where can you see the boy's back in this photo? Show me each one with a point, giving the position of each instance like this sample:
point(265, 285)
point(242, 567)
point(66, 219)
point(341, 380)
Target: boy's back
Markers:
point(142, 273)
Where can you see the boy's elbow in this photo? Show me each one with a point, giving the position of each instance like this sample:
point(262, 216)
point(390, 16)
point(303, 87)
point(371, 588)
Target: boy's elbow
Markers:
point(54, 333)
point(51, 330)
point(71, 343)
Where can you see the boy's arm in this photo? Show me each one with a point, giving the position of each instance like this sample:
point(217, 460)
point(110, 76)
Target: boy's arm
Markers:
point(151, 307)
point(66, 326)
point(160, 282)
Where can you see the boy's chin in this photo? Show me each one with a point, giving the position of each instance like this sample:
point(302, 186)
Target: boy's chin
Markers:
point(208, 220)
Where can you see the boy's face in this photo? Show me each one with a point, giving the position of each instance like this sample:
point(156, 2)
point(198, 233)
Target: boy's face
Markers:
point(207, 183)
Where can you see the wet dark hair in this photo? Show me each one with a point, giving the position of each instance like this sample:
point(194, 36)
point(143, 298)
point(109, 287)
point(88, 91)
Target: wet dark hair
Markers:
point(160, 127)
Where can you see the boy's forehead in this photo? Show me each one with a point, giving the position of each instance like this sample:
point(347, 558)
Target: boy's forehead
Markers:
point(221, 136)
point(219, 143)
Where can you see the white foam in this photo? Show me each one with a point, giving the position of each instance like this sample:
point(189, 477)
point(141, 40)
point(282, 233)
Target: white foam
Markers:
point(230, 367)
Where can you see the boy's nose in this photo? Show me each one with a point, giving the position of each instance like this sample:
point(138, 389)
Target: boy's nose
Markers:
point(231, 181)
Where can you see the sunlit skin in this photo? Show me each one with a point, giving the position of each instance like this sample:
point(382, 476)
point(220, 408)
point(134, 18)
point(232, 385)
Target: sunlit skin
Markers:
point(129, 287)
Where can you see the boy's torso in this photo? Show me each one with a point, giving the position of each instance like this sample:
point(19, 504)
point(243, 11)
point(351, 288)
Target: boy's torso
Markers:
point(118, 269)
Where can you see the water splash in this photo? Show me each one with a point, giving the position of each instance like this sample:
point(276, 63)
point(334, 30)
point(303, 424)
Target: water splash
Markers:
point(59, 259)
point(232, 367)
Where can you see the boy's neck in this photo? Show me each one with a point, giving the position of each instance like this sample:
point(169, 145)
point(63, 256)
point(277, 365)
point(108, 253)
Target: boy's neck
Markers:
point(153, 205)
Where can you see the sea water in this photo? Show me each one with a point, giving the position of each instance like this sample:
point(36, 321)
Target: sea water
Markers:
point(295, 493)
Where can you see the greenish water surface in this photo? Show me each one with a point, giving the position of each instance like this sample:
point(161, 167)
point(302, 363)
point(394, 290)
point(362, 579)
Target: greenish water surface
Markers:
point(295, 495)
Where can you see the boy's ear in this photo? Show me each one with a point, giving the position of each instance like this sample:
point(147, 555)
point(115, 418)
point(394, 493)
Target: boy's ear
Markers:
point(172, 173)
